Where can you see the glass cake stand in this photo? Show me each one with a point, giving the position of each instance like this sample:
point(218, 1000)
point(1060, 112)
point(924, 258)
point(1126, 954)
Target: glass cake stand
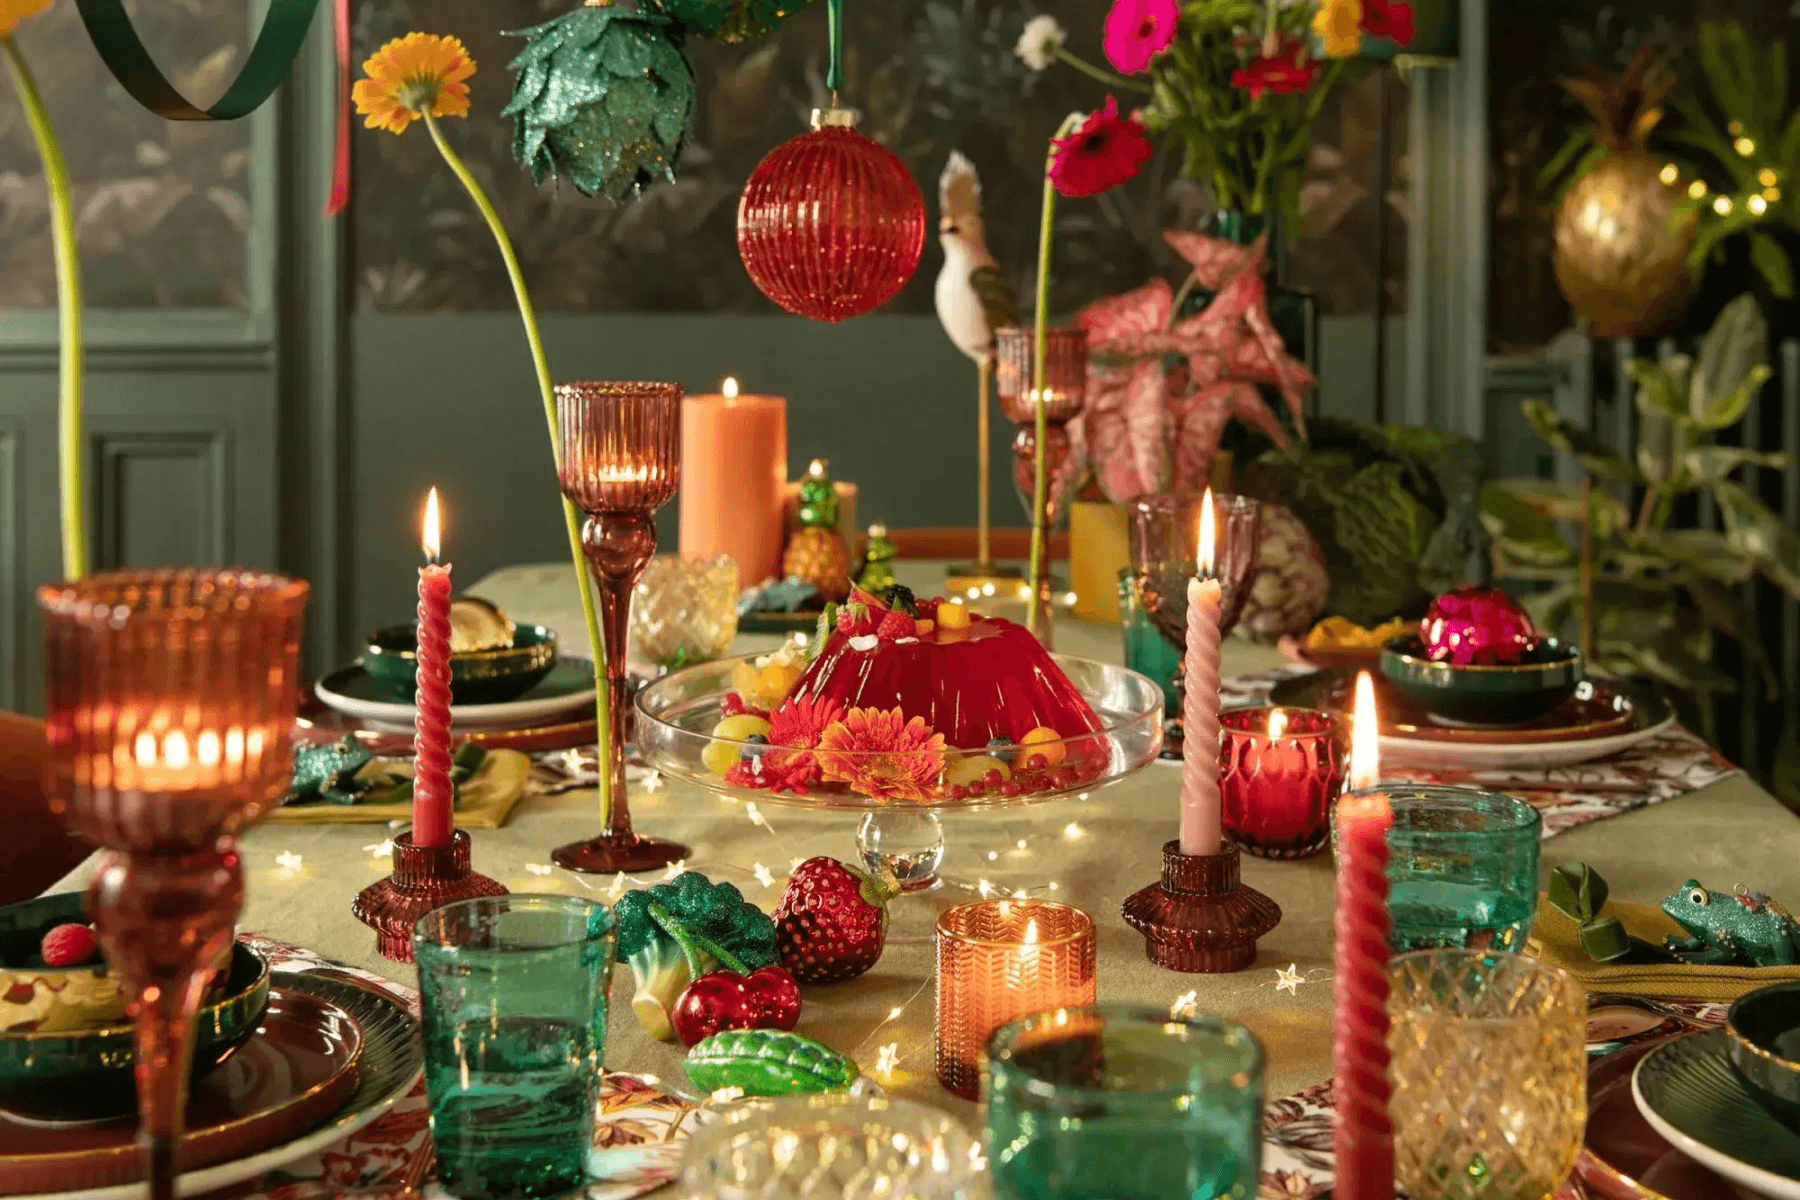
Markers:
point(676, 715)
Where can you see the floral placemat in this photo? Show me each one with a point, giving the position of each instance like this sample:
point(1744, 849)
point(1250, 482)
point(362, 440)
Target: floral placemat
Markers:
point(639, 1133)
point(1297, 1149)
point(1671, 764)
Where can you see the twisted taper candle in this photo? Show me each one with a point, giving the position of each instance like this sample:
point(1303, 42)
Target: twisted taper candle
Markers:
point(433, 793)
point(1200, 820)
point(1364, 1132)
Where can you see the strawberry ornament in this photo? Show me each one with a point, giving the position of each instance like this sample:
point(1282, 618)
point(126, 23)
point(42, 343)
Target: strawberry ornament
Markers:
point(831, 923)
point(69, 945)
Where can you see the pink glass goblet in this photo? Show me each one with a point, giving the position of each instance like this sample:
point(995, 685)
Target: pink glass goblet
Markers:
point(170, 698)
point(621, 461)
point(1064, 392)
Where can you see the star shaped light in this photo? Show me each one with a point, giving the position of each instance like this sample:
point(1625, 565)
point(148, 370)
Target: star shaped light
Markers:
point(1289, 981)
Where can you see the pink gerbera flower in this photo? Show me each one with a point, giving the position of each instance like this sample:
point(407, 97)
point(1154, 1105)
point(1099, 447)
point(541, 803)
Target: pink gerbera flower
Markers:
point(1104, 151)
point(1137, 31)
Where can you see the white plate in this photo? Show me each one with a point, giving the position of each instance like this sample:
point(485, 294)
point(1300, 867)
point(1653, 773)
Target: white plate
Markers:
point(1495, 756)
point(350, 691)
point(1688, 1084)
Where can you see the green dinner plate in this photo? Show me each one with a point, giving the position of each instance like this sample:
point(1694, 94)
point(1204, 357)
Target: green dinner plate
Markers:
point(569, 685)
point(1690, 1094)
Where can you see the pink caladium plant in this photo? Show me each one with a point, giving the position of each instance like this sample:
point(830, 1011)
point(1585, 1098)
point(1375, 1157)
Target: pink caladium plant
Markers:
point(1159, 393)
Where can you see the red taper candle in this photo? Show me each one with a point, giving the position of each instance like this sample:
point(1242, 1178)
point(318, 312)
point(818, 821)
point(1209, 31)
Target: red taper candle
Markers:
point(1364, 1131)
point(433, 794)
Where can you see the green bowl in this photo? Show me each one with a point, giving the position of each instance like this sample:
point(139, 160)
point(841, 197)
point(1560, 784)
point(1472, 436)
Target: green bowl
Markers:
point(476, 676)
point(1762, 1036)
point(1507, 694)
point(80, 1068)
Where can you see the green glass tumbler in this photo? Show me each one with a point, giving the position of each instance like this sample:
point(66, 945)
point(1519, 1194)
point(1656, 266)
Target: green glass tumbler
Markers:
point(1121, 1102)
point(512, 990)
point(1462, 868)
point(1147, 651)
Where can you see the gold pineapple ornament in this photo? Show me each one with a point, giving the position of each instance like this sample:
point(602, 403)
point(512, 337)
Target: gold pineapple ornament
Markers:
point(1620, 258)
point(816, 553)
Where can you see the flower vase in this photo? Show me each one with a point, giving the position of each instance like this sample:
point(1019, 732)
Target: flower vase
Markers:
point(1294, 314)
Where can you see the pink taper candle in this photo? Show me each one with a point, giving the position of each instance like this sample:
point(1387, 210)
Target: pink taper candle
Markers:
point(433, 794)
point(1200, 706)
point(1364, 1130)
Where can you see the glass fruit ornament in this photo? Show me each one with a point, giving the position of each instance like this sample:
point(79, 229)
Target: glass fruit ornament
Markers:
point(1477, 626)
point(831, 224)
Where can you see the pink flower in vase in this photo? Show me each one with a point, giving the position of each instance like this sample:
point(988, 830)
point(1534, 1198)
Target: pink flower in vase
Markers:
point(1104, 151)
point(1137, 31)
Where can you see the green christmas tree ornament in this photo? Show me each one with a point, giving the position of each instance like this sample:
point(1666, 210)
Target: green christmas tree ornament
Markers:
point(731, 20)
point(878, 564)
point(818, 505)
point(604, 98)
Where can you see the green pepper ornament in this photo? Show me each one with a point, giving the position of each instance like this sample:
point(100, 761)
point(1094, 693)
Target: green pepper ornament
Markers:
point(768, 1062)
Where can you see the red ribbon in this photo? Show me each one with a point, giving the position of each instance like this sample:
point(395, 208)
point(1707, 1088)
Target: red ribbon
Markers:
point(340, 170)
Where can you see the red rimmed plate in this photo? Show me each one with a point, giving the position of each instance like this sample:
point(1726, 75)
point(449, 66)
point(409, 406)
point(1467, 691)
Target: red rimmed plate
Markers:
point(1595, 711)
point(301, 1066)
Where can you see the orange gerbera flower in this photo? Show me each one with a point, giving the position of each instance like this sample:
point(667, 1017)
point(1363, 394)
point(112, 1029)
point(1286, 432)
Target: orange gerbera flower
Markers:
point(882, 754)
point(14, 11)
point(409, 77)
point(1339, 26)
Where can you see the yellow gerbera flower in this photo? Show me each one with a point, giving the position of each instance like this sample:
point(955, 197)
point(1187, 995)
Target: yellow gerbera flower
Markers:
point(409, 77)
point(14, 11)
point(1339, 26)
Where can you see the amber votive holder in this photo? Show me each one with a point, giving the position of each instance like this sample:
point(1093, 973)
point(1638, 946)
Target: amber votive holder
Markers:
point(1280, 771)
point(1200, 917)
point(424, 878)
point(998, 960)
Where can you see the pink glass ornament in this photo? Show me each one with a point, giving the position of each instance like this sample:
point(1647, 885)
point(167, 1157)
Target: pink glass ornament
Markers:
point(1477, 626)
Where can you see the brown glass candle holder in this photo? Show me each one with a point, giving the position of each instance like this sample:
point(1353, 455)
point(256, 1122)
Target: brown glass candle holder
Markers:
point(424, 878)
point(1201, 917)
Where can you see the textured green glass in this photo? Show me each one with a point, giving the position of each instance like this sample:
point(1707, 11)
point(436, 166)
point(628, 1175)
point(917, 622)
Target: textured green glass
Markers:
point(1462, 869)
point(1147, 651)
point(513, 994)
point(1119, 1102)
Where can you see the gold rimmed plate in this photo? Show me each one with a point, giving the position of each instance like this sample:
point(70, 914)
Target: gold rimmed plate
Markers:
point(1595, 711)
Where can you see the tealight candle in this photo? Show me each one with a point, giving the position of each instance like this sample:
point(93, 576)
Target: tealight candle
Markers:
point(1002, 959)
point(1280, 771)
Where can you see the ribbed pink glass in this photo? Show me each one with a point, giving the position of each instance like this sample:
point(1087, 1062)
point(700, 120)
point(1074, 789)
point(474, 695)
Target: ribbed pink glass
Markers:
point(1276, 793)
point(621, 461)
point(831, 224)
point(1065, 373)
point(170, 702)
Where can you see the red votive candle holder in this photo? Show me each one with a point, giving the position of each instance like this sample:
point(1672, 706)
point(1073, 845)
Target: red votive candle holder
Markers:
point(1280, 771)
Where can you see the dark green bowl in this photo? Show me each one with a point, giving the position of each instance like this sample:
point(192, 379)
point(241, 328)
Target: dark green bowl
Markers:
point(1510, 694)
point(85, 1073)
point(476, 676)
point(1762, 1036)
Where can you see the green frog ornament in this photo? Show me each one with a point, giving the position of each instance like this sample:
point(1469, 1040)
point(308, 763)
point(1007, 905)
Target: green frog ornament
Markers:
point(1743, 929)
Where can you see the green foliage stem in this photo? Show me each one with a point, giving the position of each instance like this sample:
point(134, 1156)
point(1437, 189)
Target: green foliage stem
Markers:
point(68, 307)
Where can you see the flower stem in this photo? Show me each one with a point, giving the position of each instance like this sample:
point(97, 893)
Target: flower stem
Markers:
point(602, 725)
point(1040, 534)
point(68, 307)
point(1101, 73)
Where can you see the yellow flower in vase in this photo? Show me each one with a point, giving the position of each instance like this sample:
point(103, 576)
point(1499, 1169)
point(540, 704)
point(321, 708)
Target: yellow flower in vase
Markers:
point(1339, 26)
point(14, 11)
point(413, 76)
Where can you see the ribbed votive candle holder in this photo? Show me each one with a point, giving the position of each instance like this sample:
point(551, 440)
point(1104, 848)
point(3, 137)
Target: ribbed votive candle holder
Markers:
point(1002, 959)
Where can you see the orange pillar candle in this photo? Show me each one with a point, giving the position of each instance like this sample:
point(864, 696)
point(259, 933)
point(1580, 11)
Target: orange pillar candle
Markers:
point(1001, 959)
point(734, 479)
point(433, 793)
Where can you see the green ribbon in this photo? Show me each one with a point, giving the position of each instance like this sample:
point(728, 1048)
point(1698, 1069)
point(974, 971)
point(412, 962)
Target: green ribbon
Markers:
point(1577, 891)
point(277, 47)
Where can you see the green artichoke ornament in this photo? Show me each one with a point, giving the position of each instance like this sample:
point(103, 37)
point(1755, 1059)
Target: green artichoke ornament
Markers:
point(731, 20)
point(604, 98)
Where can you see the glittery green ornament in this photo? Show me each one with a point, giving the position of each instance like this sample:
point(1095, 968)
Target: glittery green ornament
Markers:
point(604, 98)
point(731, 20)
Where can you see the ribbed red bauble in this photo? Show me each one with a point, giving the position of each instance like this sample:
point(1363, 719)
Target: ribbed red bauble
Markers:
point(831, 224)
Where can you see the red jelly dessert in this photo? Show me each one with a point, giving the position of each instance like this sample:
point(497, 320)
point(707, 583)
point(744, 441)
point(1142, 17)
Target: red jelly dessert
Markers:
point(1479, 626)
point(990, 679)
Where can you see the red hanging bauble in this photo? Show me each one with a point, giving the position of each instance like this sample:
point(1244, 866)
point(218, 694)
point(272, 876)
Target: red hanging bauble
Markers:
point(831, 224)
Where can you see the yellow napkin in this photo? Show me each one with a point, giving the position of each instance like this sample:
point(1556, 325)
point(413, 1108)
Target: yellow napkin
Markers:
point(1553, 940)
point(484, 800)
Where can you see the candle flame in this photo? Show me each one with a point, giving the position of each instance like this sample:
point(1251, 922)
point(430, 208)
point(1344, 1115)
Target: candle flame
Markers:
point(729, 387)
point(432, 538)
point(1207, 535)
point(1031, 933)
point(1278, 723)
point(1365, 736)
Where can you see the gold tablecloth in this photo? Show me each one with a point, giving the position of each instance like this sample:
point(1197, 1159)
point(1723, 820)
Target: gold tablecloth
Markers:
point(1095, 852)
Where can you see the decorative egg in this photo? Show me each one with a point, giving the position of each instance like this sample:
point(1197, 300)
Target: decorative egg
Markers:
point(1477, 626)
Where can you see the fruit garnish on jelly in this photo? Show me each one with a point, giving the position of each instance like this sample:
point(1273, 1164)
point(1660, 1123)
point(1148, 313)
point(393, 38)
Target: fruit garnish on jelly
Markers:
point(69, 945)
point(856, 620)
point(1477, 626)
point(896, 625)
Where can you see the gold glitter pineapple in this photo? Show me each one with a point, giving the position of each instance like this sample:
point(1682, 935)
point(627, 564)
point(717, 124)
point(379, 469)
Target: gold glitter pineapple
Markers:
point(816, 554)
